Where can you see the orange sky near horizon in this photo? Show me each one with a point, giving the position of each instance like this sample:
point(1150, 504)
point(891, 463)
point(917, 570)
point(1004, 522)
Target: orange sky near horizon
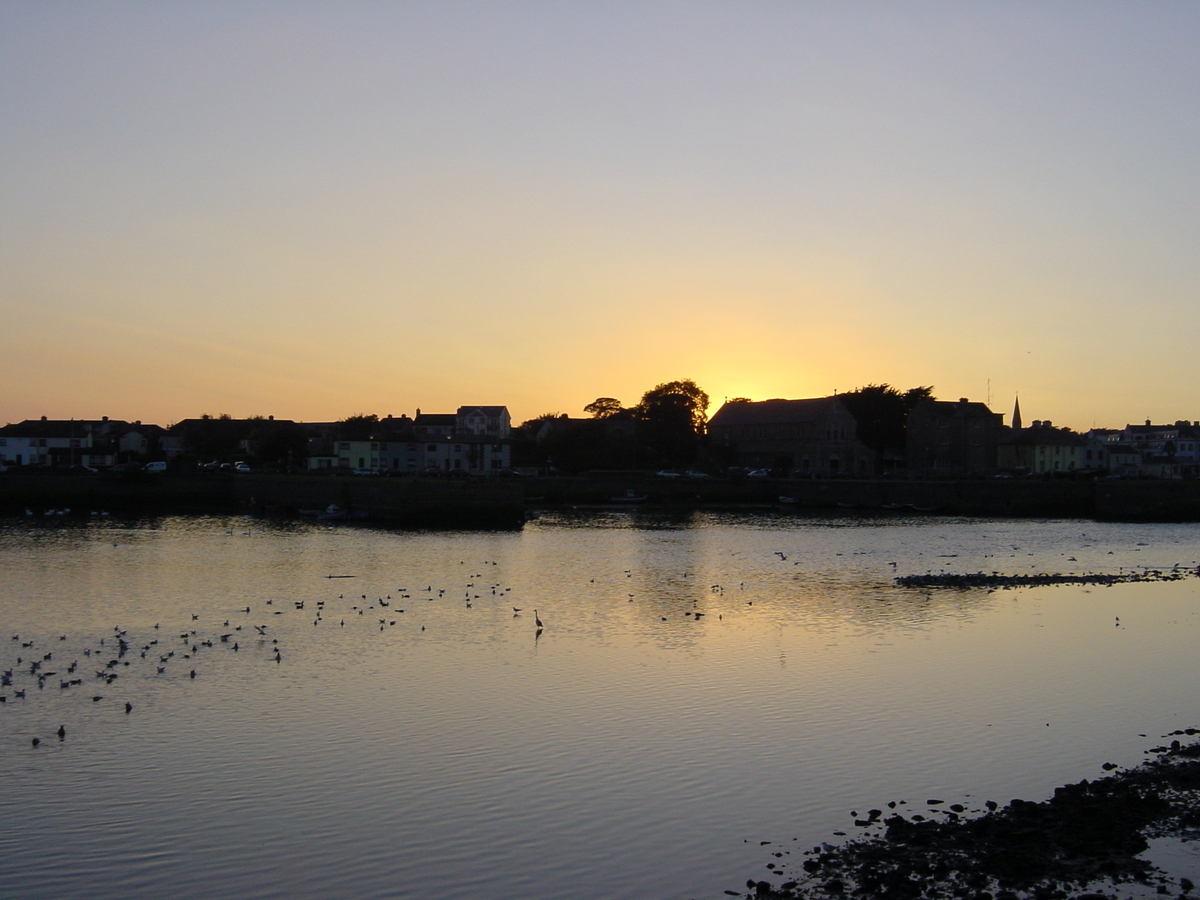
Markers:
point(309, 212)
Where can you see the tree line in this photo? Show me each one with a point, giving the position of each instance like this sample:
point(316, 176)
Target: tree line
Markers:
point(667, 428)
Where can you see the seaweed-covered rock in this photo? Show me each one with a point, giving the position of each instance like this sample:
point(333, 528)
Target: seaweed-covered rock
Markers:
point(1089, 833)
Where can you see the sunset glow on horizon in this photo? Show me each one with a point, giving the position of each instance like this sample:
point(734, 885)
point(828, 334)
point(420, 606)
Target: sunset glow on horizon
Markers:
point(311, 210)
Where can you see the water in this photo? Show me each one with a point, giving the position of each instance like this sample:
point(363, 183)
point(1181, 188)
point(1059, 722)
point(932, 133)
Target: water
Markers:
point(630, 749)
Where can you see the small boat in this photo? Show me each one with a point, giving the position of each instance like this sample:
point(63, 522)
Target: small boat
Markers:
point(335, 513)
point(789, 501)
point(629, 497)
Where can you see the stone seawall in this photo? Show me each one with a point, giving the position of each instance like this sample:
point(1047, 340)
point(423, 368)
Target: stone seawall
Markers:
point(1118, 500)
point(447, 503)
point(410, 503)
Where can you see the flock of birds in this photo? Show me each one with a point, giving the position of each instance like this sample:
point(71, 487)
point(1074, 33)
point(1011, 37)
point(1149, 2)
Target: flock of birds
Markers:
point(109, 669)
point(106, 670)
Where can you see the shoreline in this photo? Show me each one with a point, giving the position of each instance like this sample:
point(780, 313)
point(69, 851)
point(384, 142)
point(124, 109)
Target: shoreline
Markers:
point(504, 502)
point(1086, 842)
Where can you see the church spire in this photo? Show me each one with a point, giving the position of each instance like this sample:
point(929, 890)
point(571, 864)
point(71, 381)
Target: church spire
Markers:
point(1016, 419)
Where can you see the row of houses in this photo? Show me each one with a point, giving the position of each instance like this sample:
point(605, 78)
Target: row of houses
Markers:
point(96, 443)
point(472, 440)
point(817, 437)
point(820, 437)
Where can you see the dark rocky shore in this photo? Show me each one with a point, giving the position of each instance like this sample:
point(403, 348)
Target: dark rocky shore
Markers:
point(1081, 844)
point(995, 580)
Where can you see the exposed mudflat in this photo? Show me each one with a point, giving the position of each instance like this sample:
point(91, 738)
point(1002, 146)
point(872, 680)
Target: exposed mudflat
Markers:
point(994, 580)
point(1084, 842)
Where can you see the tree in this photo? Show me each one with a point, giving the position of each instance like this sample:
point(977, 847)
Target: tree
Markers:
point(357, 428)
point(881, 412)
point(213, 438)
point(685, 396)
point(526, 450)
point(277, 443)
point(604, 407)
point(671, 421)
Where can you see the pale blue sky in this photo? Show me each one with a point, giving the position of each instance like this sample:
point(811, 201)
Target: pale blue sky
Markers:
point(317, 209)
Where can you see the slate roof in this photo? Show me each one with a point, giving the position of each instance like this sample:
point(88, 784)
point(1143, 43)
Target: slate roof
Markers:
point(953, 408)
point(773, 412)
point(486, 410)
point(1041, 436)
point(64, 428)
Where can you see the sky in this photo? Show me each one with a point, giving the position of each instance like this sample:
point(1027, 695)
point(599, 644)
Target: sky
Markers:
point(318, 209)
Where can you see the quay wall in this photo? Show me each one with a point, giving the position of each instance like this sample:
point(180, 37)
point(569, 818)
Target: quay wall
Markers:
point(1108, 499)
point(398, 502)
point(502, 503)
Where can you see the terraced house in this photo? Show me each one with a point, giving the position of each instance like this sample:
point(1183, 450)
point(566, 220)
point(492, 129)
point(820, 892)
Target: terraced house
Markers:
point(475, 440)
point(61, 443)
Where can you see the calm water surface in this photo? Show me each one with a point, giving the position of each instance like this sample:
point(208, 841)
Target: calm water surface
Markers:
point(701, 685)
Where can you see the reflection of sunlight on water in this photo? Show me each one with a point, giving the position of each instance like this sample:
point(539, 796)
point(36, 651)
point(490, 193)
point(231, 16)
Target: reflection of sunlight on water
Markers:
point(701, 680)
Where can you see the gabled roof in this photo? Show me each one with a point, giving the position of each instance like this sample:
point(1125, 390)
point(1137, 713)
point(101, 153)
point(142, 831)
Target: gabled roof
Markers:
point(1041, 436)
point(954, 408)
point(775, 412)
point(63, 428)
point(140, 428)
point(493, 411)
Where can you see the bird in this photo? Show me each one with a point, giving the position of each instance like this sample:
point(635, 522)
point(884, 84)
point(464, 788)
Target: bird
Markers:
point(536, 620)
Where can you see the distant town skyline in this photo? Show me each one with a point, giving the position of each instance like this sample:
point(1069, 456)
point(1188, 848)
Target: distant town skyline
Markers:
point(312, 211)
